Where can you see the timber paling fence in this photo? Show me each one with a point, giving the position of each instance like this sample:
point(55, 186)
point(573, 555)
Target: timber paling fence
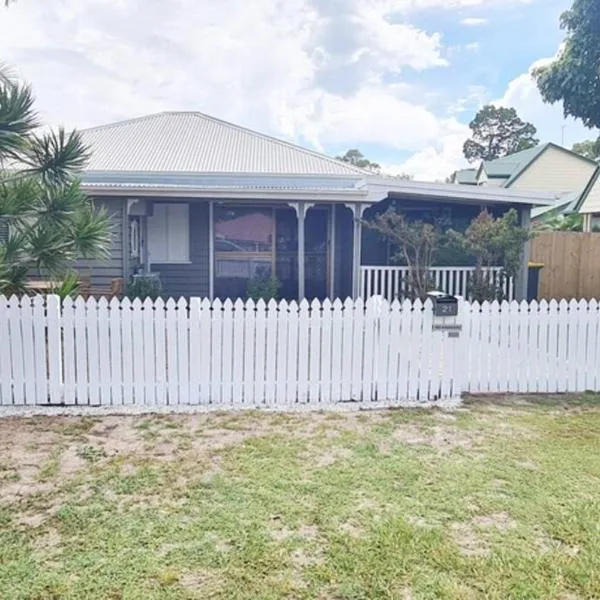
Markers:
point(278, 354)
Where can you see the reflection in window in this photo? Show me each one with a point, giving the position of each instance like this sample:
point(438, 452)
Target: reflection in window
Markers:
point(243, 230)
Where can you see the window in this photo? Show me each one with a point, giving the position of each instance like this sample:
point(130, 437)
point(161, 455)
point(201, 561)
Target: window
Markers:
point(169, 233)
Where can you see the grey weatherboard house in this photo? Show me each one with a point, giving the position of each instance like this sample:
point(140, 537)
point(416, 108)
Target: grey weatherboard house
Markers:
point(208, 205)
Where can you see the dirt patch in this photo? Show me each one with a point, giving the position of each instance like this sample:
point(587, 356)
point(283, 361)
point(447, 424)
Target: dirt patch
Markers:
point(442, 438)
point(500, 521)
point(468, 542)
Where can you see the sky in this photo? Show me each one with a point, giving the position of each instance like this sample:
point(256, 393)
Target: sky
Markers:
point(398, 79)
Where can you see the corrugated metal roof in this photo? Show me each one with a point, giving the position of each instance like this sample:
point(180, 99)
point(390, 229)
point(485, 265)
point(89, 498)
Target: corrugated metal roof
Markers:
point(466, 176)
point(509, 165)
point(193, 142)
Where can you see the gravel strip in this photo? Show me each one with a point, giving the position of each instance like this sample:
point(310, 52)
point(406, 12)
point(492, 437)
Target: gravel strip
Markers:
point(75, 410)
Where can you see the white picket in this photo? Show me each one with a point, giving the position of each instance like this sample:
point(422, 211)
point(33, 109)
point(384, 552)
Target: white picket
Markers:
point(227, 341)
point(281, 377)
point(533, 348)
point(93, 362)
point(583, 326)
point(544, 364)
point(260, 353)
point(149, 351)
point(249, 376)
point(414, 342)
point(405, 350)
point(29, 355)
point(592, 375)
point(238, 351)
point(172, 350)
point(54, 349)
point(425, 353)
point(40, 348)
point(292, 357)
point(436, 374)
point(270, 353)
point(137, 343)
point(382, 355)
point(337, 350)
point(572, 343)
point(14, 345)
point(81, 353)
point(104, 352)
point(116, 358)
point(563, 346)
point(216, 357)
point(552, 356)
point(127, 351)
point(183, 351)
point(314, 355)
point(395, 349)
point(523, 348)
point(347, 349)
point(68, 335)
point(326, 351)
point(195, 350)
point(357, 350)
point(160, 350)
point(303, 349)
point(206, 349)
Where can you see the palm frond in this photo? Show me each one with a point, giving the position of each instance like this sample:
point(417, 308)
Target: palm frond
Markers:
point(56, 157)
point(59, 203)
point(17, 117)
point(92, 232)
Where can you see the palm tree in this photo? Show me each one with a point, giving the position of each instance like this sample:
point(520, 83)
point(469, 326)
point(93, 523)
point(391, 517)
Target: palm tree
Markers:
point(46, 221)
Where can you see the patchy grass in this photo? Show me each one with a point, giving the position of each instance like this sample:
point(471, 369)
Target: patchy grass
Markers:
point(500, 499)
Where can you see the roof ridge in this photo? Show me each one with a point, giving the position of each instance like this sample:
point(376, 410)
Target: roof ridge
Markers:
point(200, 114)
point(276, 140)
point(123, 122)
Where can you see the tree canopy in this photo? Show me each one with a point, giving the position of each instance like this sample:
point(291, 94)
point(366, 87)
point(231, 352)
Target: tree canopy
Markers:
point(47, 221)
point(588, 148)
point(574, 77)
point(498, 132)
point(356, 158)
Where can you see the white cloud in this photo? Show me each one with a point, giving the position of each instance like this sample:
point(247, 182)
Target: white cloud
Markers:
point(435, 162)
point(522, 94)
point(474, 21)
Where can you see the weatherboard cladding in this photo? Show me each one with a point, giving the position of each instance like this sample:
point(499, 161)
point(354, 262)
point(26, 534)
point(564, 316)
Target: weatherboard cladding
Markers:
point(193, 142)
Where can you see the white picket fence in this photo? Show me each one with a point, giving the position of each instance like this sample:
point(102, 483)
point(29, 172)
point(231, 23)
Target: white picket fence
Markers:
point(392, 282)
point(246, 354)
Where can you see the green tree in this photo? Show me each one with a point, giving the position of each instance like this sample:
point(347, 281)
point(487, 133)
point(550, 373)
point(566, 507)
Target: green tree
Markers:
point(492, 242)
point(356, 158)
point(416, 243)
point(588, 148)
point(573, 78)
point(47, 220)
point(498, 132)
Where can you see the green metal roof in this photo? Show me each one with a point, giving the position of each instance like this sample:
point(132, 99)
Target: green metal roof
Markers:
point(466, 177)
point(514, 164)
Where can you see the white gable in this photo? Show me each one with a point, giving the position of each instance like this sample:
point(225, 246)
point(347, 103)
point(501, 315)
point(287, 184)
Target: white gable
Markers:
point(557, 172)
point(592, 203)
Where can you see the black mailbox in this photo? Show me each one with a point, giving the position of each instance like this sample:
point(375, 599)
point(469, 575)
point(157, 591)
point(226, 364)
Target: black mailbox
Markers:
point(444, 305)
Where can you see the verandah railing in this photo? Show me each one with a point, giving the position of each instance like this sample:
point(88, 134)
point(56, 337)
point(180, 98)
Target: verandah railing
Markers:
point(392, 282)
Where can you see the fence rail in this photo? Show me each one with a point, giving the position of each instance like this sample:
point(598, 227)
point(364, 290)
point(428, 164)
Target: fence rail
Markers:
point(393, 282)
point(276, 354)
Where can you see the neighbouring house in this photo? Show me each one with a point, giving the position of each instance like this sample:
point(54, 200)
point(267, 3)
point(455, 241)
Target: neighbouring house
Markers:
point(545, 168)
point(588, 203)
point(209, 206)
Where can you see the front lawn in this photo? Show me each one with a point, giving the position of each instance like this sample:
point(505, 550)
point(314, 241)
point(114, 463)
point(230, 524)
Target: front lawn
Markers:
point(499, 499)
